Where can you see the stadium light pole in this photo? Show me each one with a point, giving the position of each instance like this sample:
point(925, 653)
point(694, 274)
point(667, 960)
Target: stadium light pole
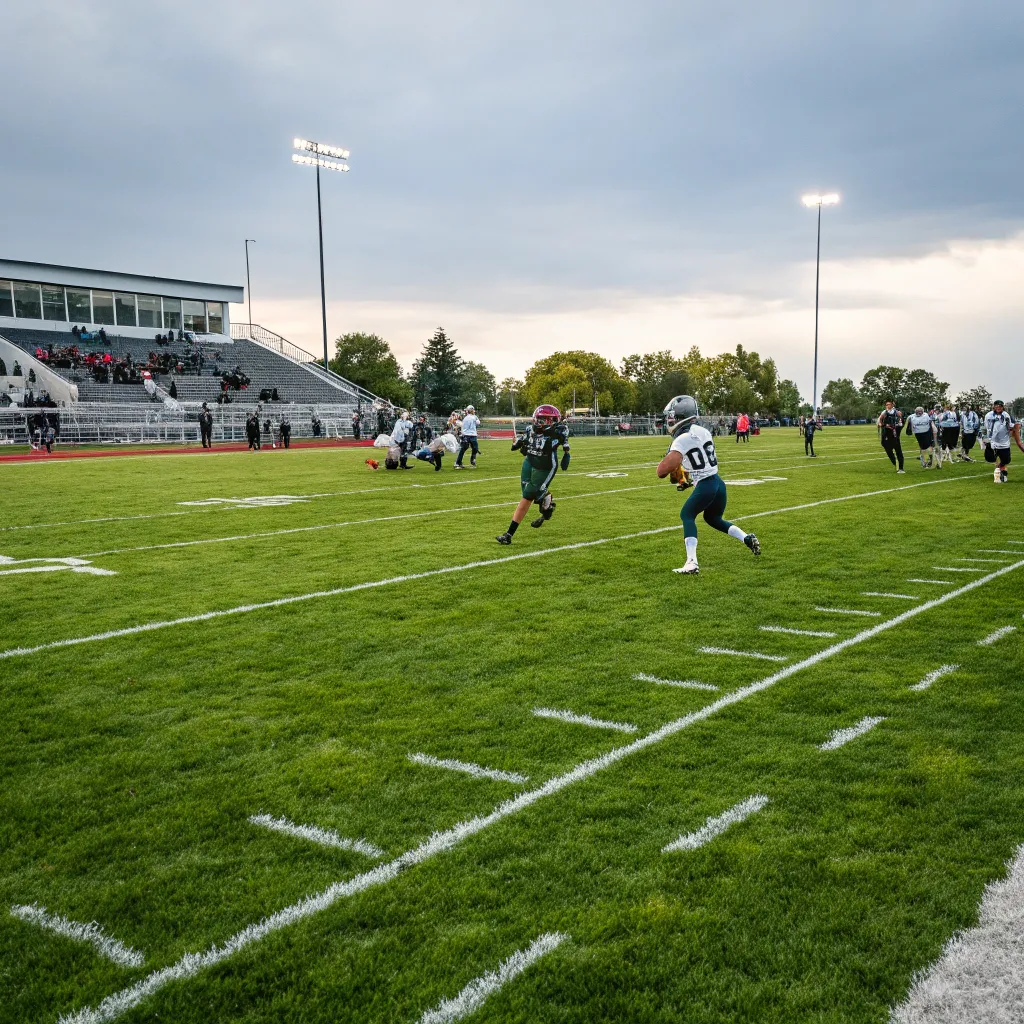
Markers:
point(248, 286)
point(331, 158)
point(829, 199)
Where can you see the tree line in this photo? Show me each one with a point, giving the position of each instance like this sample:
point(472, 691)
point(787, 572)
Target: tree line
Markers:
point(442, 380)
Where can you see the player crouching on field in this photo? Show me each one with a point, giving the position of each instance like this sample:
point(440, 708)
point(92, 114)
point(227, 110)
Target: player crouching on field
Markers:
point(691, 461)
point(539, 445)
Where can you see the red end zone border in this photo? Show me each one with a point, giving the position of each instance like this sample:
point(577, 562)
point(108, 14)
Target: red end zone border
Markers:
point(170, 449)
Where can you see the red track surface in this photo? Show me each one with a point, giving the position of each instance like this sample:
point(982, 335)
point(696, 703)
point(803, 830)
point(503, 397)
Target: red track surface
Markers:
point(178, 449)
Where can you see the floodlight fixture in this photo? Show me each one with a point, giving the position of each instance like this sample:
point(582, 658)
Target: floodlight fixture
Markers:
point(817, 200)
point(319, 161)
point(330, 159)
point(320, 148)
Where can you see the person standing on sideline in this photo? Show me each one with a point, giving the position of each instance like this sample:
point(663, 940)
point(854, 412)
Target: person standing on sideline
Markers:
point(742, 428)
point(920, 424)
point(421, 432)
point(949, 431)
point(252, 432)
point(810, 426)
point(969, 423)
point(286, 431)
point(206, 426)
point(890, 423)
point(400, 436)
point(356, 426)
point(470, 425)
point(454, 425)
point(1001, 427)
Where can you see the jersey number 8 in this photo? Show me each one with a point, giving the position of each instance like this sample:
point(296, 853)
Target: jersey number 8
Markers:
point(697, 459)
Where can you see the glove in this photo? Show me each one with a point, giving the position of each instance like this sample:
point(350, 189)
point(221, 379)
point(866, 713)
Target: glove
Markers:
point(565, 461)
point(681, 478)
point(518, 443)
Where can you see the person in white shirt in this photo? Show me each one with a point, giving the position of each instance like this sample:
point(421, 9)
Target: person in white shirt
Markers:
point(969, 424)
point(920, 424)
point(1001, 428)
point(400, 434)
point(691, 461)
point(470, 425)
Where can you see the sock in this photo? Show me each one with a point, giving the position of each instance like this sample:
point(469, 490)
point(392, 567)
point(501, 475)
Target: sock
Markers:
point(512, 527)
point(691, 549)
point(737, 533)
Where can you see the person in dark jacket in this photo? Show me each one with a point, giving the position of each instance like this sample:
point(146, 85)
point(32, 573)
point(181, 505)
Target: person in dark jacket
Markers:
point(252, 432)
point(206, 426)
point(286, 431)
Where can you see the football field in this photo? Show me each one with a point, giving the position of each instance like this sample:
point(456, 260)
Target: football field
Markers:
point(285, 739)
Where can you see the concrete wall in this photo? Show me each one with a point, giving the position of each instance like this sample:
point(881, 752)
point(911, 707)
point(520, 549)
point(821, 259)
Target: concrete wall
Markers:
point(61, 391)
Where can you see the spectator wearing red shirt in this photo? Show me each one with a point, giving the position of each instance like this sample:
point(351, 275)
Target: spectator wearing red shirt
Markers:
point(742, 427)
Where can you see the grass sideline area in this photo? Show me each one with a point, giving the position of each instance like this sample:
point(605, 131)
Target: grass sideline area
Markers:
point(134, 762)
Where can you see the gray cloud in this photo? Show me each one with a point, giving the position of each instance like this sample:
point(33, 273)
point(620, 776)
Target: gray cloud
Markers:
point(518, 155)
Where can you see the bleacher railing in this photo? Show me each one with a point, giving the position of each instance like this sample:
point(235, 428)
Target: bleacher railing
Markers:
point(282, 346)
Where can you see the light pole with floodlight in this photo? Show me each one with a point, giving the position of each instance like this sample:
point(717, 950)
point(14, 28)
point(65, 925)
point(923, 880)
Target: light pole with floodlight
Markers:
point(316, 154)
point(248, 287)
point(829, 199)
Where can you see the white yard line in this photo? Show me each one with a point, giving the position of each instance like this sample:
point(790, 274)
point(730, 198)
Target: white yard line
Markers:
point(742, 654)
point(473, 996)
point(574, 719)
point(934, 676)
point(996, 561)
point(716, 826)
point(352, 522)
point(426, 574)
point(998, 551)
point(997, 635)
point(316, 834)
point(843, 736)
point(192, 964)
point(980, 975)
point(953, 568)
point(476, 770)
point(686, 684)
point(946, 583)
point(877, 593)
point(846, 611)
point(797, 632)
point(110, 949)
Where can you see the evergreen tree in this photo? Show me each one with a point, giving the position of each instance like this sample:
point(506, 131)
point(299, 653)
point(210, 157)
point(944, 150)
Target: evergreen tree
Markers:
point(437, 375)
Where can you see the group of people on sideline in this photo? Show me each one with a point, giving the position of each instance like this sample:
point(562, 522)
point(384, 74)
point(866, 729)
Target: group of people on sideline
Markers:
point(945, 434)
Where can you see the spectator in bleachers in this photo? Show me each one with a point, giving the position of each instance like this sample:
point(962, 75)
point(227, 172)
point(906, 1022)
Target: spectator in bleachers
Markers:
point(3, 368)
point(16, 371)
point(173, 390)
point(316, 425)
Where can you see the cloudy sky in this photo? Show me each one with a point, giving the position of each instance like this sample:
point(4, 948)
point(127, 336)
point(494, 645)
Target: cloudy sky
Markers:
point(538, 175)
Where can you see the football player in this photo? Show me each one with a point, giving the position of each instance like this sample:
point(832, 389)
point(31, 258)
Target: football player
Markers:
point(691, 461)
point(539, 445)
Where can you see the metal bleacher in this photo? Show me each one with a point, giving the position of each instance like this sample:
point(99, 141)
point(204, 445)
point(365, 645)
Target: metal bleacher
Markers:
point(267, 359)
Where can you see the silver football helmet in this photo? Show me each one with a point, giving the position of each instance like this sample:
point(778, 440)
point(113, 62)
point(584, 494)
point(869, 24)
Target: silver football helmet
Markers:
point(683, 410)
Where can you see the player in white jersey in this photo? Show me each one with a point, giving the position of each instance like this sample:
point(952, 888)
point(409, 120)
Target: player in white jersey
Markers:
point(691, 461)
point(1001, 428)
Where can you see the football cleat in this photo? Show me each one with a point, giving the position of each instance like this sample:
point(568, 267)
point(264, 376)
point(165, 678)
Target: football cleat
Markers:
point(753, 543)
point(690, 569)
point(538, 522)
point(504, 538)
point(457, 466)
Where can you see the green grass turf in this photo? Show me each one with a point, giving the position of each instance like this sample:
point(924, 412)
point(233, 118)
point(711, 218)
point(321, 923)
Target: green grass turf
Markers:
point(131, 765)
